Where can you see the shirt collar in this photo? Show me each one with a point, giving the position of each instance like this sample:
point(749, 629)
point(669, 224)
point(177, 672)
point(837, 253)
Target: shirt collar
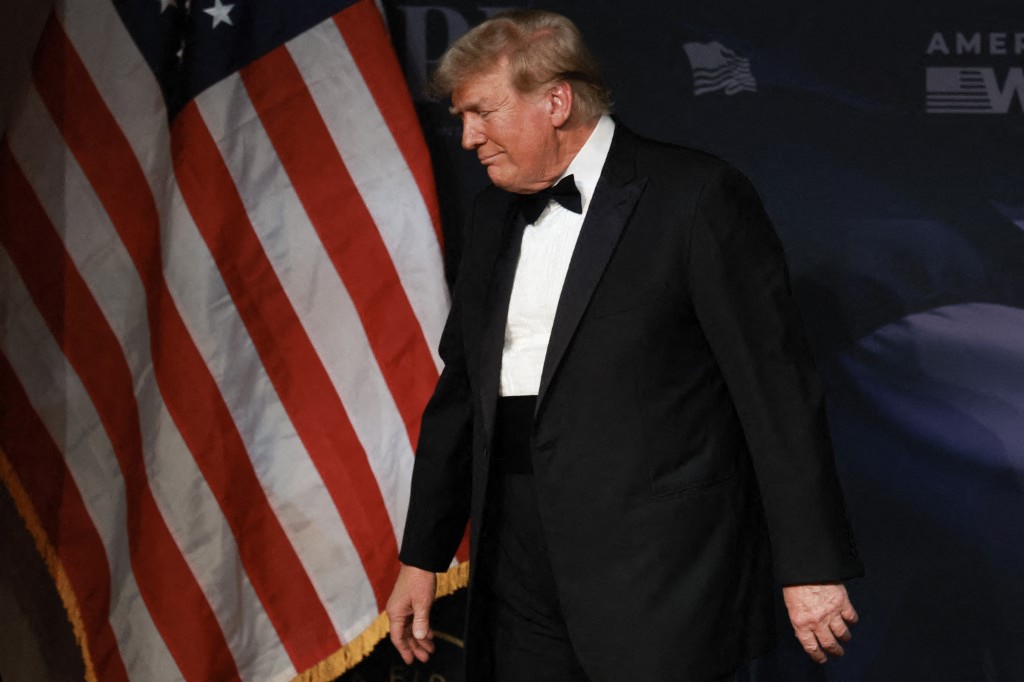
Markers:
point(586, 167)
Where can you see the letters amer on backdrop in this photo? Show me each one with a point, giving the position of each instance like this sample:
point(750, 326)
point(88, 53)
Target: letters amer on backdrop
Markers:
point(990, 84)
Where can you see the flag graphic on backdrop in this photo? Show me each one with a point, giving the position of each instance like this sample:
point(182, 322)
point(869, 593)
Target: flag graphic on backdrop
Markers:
point(716, 67)
point(220, 290)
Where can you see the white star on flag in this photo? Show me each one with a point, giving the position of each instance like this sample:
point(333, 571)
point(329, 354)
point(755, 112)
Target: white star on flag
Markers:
point(220, 13)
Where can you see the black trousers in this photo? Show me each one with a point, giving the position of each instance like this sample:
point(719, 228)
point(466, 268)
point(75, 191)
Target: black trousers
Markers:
point(525, 638)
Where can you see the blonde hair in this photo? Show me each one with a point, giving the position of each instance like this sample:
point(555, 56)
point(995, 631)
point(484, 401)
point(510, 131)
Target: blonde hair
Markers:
point(541, 48)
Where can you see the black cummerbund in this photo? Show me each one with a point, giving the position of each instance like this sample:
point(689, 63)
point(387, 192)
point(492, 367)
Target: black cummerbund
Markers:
point(513, 425)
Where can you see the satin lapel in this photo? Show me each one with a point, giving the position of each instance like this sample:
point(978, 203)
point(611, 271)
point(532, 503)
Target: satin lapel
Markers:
point(614, 198)
point(492, 340)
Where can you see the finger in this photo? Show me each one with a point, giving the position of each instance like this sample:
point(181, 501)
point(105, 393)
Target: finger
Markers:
point(406, 652)
point(421, 623)
point(425, 643)
point(422, 635)
point(421, 627)
point(422, 649)
point(810, 644)
point(401, 639)
point(848, 613)
point(840, 629)
point(828, 641)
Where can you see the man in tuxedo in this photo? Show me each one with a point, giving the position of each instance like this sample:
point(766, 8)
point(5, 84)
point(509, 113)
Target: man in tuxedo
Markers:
point(628, 413)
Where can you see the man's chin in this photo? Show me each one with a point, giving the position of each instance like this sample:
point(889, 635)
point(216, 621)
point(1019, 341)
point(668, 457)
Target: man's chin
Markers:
point(499, 179)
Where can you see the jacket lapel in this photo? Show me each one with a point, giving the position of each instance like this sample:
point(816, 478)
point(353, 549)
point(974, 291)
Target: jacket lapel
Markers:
point(492, 339)
point(614, 198)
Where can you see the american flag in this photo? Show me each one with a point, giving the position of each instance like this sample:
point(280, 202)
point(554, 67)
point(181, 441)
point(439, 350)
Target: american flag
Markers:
point(221, 288)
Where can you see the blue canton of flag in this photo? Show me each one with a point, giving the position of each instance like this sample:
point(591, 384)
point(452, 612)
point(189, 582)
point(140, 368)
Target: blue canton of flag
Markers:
point(190, 46)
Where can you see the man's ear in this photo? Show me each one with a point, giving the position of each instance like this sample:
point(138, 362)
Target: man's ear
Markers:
point(560, 97)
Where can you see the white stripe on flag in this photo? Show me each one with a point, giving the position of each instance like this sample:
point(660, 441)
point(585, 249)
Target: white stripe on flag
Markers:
point(281, 463)
point(378, 170)
point(290, 479)
point(64, 406)
point(125, 82)
point(315, 290)
point(188, 506)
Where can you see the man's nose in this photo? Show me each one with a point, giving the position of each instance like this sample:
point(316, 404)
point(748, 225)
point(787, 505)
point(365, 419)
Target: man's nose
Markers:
point(471, 137)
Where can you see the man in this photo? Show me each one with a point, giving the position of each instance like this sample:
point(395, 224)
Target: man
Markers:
point(628, 412)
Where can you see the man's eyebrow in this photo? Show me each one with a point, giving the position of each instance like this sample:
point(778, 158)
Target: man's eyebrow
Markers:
point(468, 106)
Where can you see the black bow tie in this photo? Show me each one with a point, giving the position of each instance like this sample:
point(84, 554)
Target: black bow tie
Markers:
point(564, 192)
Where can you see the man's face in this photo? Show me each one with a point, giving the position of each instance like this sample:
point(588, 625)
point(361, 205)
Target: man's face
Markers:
point(512, 133)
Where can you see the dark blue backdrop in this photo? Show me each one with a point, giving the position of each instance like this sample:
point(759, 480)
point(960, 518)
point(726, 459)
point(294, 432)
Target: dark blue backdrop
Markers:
point(887, 141)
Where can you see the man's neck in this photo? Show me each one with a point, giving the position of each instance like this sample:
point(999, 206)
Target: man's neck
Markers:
point(571, 138)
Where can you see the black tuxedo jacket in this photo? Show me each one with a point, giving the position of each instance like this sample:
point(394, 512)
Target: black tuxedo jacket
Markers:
point(680, 450)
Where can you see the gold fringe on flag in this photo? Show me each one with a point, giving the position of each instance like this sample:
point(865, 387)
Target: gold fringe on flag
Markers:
point(359, 648)
point(327, 670)
point(27, 510)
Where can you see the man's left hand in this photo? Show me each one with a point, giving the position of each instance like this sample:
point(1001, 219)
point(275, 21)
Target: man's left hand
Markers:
point(821, 615)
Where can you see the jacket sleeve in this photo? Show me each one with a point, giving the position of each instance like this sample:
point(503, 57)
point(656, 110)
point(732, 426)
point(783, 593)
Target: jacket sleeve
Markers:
point(441, 481)
point(740, 287)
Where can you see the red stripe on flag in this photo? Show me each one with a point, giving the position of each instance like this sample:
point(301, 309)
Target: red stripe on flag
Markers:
point(57, 502)
point(346, 229)
point(291, 362)
point(462, 553)
point(175, 600)
point(364, 31)
point(190, 392)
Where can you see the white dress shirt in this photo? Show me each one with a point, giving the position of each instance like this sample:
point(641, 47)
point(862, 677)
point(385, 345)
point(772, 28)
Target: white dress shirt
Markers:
point(540, 273)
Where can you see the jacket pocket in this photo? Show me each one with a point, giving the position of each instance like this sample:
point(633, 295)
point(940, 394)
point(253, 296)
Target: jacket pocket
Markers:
point(697, 488)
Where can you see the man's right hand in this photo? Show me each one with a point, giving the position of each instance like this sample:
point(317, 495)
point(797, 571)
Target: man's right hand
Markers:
point(408, 611)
